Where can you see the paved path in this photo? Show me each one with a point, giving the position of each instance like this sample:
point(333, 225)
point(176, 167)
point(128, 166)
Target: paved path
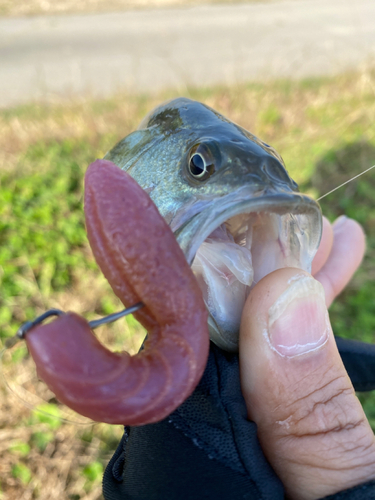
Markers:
point(45, 57)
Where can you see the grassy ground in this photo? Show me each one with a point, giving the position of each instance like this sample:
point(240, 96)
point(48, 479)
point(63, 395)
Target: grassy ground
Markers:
point(324, 129)
point(40, 7)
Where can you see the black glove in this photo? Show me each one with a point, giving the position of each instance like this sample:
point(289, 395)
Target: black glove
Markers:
point(208, 449)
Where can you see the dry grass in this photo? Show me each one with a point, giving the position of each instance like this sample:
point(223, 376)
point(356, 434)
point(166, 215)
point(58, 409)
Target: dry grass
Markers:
point(56, 472)
point(41, 7)
point(287, 114)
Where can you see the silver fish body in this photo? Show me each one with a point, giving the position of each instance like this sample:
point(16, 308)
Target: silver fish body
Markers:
point(228, 198)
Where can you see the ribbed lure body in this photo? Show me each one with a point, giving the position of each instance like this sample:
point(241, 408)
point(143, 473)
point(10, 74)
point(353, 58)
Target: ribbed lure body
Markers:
point(142, 261)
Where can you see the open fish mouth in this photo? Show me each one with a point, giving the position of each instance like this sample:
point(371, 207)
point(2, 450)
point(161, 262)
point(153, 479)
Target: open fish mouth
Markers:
point(227, 197)
point(236, 240)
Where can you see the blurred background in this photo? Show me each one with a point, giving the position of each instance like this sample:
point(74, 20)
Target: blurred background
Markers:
point(76, 77)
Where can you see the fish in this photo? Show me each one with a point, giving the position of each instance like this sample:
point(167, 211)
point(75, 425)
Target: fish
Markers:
point(186, 214)
point(235, 212)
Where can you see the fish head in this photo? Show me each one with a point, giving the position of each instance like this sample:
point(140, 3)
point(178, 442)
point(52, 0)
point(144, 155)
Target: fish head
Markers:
point(235, 211)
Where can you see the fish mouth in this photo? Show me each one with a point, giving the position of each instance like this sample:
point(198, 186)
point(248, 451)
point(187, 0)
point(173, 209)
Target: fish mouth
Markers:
point(236, 240)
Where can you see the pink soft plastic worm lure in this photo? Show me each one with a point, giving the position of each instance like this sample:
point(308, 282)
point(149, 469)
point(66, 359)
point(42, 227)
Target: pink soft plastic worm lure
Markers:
point(142, 261)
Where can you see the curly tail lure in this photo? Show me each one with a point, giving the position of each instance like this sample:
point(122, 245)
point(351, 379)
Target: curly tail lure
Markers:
point(113, 387)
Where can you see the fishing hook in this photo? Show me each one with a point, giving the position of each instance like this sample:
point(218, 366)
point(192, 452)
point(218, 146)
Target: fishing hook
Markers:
point(26, 327)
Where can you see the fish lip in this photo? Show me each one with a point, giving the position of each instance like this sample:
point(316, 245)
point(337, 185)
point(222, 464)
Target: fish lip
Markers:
point(193, 233)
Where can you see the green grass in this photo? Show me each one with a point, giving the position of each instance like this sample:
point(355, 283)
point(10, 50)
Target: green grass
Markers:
point(22, 472)
point(323, 128)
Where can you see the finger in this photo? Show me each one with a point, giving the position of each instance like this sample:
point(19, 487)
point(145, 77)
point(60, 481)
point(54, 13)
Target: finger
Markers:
point(325, 247)
point(347, 253)
point(311, 425)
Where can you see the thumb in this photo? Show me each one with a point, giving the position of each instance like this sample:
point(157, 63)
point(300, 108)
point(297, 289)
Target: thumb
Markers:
point(311, 425)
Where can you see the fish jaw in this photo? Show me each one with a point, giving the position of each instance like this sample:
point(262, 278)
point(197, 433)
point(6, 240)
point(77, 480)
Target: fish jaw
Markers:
point(285, 229)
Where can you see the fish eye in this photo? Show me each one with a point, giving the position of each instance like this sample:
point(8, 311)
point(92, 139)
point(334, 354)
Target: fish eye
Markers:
point(197, 165)
point(201, 162)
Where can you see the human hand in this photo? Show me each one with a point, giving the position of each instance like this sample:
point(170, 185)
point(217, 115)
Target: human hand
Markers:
point(311, 425)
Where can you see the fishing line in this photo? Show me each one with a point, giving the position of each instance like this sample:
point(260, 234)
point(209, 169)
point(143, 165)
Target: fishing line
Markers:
point(346, 182)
